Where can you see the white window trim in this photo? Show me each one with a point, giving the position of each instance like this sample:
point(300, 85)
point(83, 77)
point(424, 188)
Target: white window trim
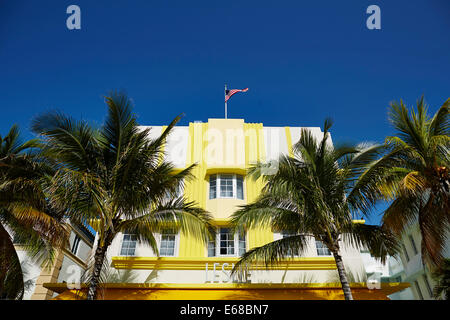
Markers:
point(405, 253)
point(322, 255)
point(176, 247)
point(121, 244)
point(312, 240)
point(311, 249)
point(412, 243)
point(77, 248)
point(218, 178)
point(279, 236)
point(235, 241)
point(215, 248)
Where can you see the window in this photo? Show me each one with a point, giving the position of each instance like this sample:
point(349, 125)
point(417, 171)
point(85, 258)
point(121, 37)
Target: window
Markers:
point(427, 284)
point(167, 245)
point(227, 243)
point(75, 244)
point(228, 185)
point(322, 250)
point(413, 244)
point(419, 293)
point(405, 252)
point(278, 235)
point(285, 234)
point(128, 245)
point(211, 248)
point(213, 187)
point(242, 243)
point(240, 187)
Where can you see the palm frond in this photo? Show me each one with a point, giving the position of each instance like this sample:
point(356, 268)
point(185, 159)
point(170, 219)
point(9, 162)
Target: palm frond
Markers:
point(380, 242)
point(272, 253)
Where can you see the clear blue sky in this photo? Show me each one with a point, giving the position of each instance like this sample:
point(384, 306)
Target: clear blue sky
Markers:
point(302, 60)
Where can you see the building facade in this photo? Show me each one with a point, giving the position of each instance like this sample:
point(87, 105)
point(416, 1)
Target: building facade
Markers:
point(391, 271)
point(69, 263)
point(413, 270)
point(397, 274)
point(223, 150)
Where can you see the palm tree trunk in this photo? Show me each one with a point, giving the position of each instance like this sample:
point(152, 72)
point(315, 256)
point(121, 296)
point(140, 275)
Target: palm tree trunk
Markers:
point(11, 275)
point(99, 257)
point(4, 259)
point(342, 275)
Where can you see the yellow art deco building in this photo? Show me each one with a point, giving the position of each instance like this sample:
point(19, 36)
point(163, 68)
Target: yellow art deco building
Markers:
point(187, 268)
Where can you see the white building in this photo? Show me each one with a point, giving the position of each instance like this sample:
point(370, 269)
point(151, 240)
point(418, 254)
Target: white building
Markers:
point(391, 271)
point(414, 272)
point(69, 263)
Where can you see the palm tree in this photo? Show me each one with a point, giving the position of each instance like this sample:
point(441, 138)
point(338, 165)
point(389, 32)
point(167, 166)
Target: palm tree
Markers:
point(313, 194)
point(416, 176)
point(116, 177)
point(25, 216)
point(12, 144)
point(441, 276)
point(108, 274)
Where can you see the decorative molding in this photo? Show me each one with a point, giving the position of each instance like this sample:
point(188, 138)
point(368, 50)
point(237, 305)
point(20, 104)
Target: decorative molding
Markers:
point(177, 263)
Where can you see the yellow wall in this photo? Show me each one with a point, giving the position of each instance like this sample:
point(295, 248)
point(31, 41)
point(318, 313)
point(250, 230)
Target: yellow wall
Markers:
point(224, 146)
point(327, 291)
point(254, 152)
point(195, 190)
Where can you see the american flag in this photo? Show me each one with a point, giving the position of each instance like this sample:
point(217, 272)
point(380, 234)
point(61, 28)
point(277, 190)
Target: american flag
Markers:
point(229, 93)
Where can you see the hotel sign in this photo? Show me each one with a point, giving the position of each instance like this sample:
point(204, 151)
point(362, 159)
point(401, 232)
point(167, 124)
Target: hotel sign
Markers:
point(220, 274)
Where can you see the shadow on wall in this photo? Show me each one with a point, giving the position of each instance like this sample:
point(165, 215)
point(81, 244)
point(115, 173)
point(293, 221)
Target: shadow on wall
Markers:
point(352, 277)
point(29, 282)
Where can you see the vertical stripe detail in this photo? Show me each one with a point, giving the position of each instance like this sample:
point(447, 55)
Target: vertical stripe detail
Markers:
point(289, 140)
point(255, 151)
point(195, 190)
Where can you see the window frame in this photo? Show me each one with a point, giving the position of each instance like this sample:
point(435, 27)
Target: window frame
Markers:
point(413, 244)
point(128, 248)
point(405, 252)
point(322, 247)
point(241, 240)
point(75, 245)
point(231, 240)
point(237, 240)
point(213, 247)
point(218, 185)
point(210, 186)
point(284, 234)
point(219, 180)
point(175, 247)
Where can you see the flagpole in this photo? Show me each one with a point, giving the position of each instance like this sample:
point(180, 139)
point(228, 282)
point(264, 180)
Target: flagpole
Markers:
point(225, 101)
